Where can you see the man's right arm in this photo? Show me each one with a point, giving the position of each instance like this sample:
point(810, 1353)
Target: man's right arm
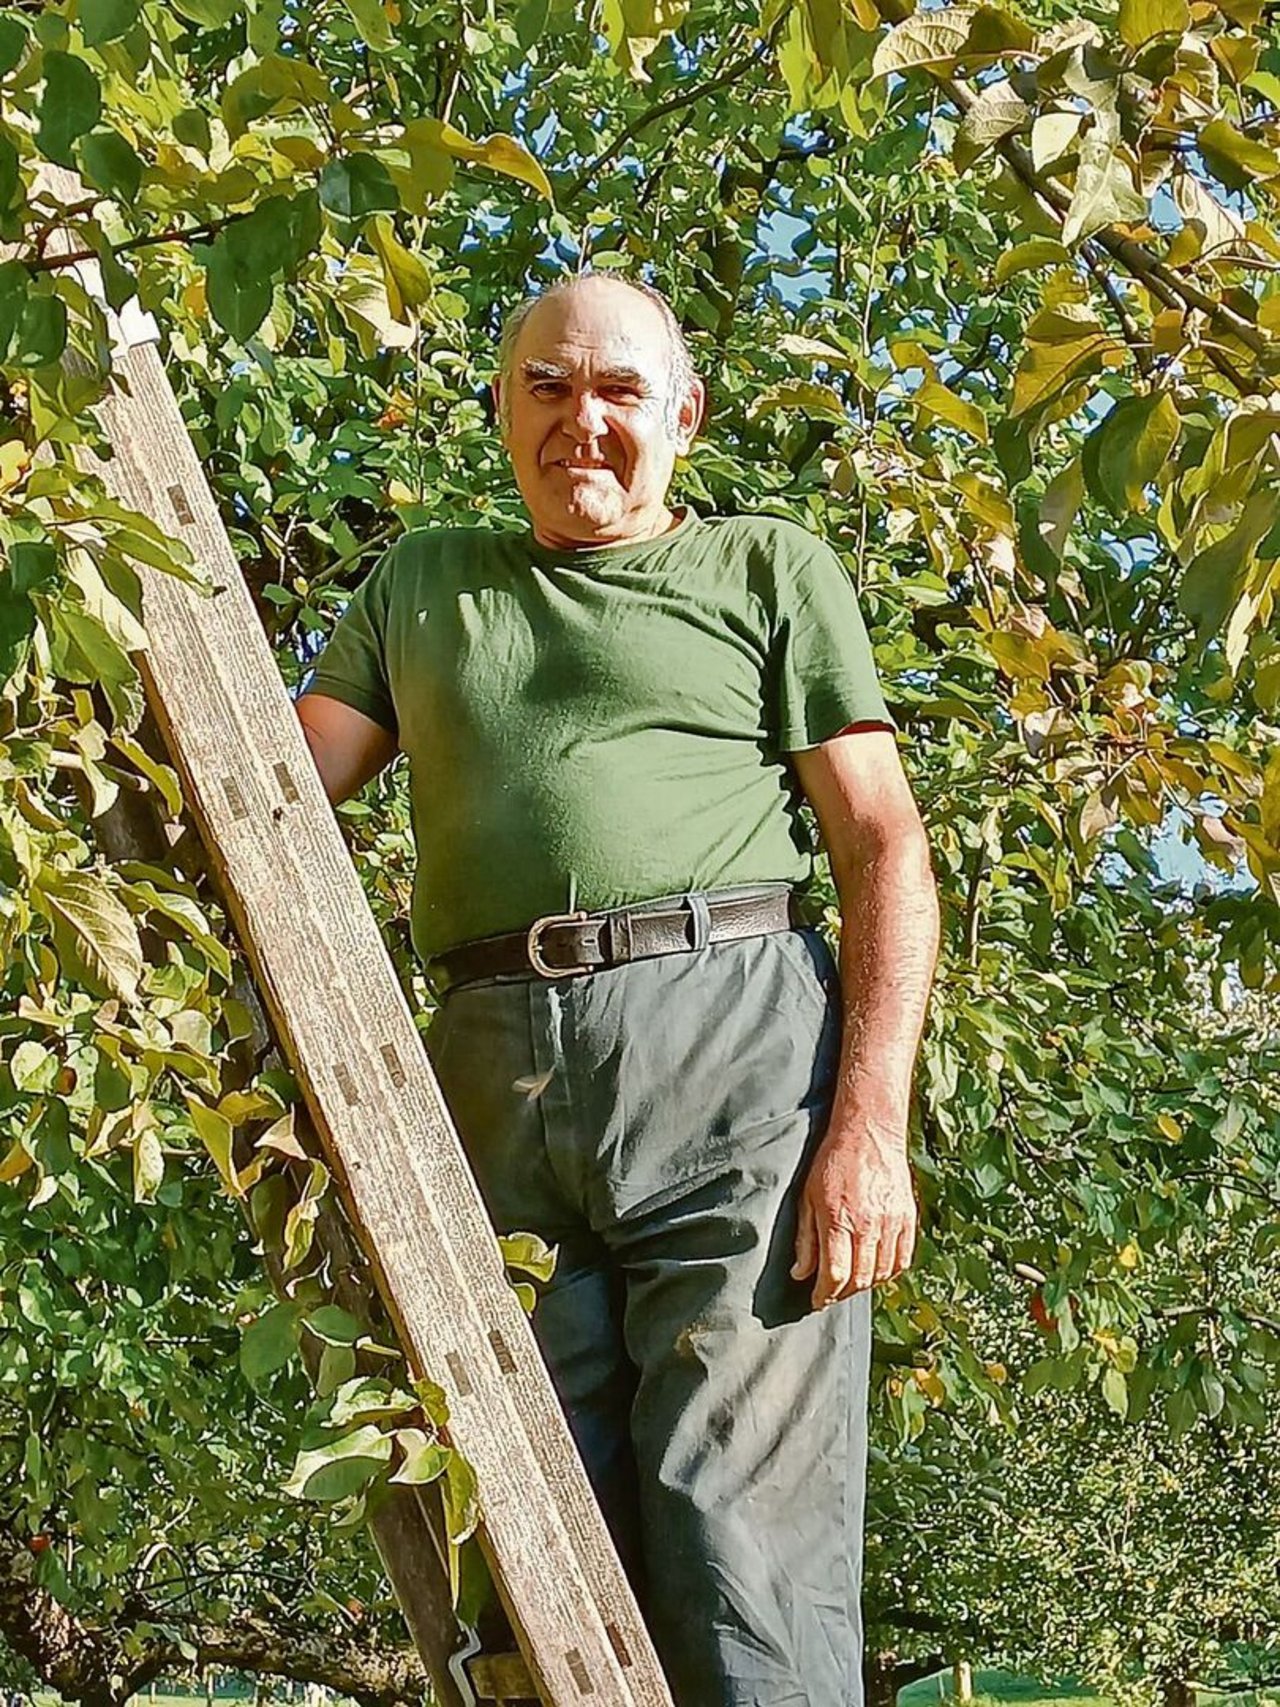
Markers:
point(348, 747)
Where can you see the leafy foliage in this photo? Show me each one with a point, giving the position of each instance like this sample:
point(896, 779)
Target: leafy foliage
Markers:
point(985, 298)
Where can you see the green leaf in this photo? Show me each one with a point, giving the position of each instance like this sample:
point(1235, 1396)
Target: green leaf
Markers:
point(424, 1457)
point(1234, 158)
point(1140, 20)
point(372, 24)
point(1115, 1391)
point(817, 402)
point(356, 185)
point(13, 44)
point(70, 106)
point(217, 1135)
point(333, 1325)
point(461, 1499)
point(276, 84)
point(213, 14)
point(239, 295)
point(268, 1343)
point(1047, 370)
point(1215, 579)
point(106, 20)
point(34, 1068)
point(341, 1467)
point(1104, 192)
point(9, 181)
point(93, 932)
point(111, 164)
point(526, 1251)
point(42, 330)
point(1134, 442)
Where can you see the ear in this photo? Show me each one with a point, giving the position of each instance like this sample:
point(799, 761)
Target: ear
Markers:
point(693, 409)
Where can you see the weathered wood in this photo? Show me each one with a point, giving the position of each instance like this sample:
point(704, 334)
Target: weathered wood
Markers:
point(343, 1022)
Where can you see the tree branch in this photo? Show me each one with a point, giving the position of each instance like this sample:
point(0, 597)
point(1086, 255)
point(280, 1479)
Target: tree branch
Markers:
point(659, 110)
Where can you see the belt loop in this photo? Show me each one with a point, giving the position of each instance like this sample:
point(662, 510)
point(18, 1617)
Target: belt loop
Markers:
point(697, 905)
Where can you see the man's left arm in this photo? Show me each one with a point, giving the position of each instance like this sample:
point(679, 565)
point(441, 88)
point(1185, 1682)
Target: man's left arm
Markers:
point(858, 1212)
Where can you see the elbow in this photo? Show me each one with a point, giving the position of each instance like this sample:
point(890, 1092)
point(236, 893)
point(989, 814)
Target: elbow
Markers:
point(891, 854)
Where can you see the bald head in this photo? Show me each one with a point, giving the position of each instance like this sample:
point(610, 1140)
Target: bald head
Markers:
point(640, 303)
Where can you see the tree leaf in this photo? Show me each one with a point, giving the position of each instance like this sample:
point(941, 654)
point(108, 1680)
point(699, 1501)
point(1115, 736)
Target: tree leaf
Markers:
point(93, 932)
point(1234, 158)
point(148, 1165)
point(217, 1135)
point(1047, 370)
point(72, 105)
point(425, 1459)
point(818, 402)
point(499, 153)
point(1027, 257)
point(341, 1467)
point(111, 164)
point(1134, 442)
point(106, 20)
point(268, 1342)
point(356, 185)
point(939, 401)
point(938, 40)
point(998, 112)
point(1140, 20)
point(371, 22)
point(1104, 192)
point(1215, 578)
point(407, 280)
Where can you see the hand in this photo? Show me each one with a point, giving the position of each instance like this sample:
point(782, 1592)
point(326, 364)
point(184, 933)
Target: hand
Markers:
point(858, 1214)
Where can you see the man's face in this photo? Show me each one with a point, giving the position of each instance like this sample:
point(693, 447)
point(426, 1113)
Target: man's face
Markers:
point(587, 423)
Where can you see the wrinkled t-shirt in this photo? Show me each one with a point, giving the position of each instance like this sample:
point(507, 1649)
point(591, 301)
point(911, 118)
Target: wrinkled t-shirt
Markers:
point(594, 728)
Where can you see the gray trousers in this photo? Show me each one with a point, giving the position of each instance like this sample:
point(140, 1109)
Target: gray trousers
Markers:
point(654, 1122)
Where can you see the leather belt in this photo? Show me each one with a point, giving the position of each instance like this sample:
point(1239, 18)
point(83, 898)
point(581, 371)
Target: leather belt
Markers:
point(566, 945)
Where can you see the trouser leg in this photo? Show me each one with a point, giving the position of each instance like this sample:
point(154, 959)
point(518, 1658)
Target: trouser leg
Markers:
point(749, 1423)
point(487, 1059)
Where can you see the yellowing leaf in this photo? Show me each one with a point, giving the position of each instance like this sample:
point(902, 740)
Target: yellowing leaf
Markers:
point(216, 1133)
point(938, 40)
point(1238, 160)
point(942, 404)
point(998, 112)
point(499, 153)
point(635, 27)
point(16, 1162)
point(1140, 20)
point(817, 401)
point(95, 935)
point(1026, 257)
point(1047, 370)
point(1169, 1126)
point(407, 280)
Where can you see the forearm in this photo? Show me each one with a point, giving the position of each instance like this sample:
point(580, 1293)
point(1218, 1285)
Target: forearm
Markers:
point(888, 951)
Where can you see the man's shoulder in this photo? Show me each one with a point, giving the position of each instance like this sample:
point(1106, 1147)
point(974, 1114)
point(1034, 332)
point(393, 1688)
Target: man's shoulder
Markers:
point(776, 533)
point(429, 546)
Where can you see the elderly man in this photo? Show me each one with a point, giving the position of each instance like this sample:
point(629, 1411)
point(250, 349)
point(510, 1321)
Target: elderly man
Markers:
point(611, 721)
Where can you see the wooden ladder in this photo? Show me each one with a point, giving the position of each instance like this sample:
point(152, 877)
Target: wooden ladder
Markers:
point(342, 1022)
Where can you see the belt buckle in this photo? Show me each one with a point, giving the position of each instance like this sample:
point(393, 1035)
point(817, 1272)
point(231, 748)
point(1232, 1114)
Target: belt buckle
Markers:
point(533, 945)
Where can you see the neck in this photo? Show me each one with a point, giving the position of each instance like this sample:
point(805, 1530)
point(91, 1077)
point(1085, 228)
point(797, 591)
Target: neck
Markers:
point(634, 534)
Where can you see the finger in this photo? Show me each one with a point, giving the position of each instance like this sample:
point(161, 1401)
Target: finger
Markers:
point(806, 1243)
point(835, 1263)
point(905, 1249)
point(866, 1251)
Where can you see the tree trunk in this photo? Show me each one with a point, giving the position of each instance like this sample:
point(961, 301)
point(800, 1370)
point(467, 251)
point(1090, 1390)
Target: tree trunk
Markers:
point(880, 1679)
point(1177, 1692)
point(962, 1680)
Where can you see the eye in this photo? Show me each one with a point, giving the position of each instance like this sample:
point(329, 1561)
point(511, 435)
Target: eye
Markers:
point(547, 388)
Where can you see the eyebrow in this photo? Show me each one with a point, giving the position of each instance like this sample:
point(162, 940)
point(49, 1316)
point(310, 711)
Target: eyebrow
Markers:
point(533, 370)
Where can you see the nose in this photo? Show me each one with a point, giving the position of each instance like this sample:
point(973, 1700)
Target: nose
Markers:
point(586, 417)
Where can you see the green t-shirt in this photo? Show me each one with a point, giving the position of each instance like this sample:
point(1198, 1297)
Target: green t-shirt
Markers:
point(599, 727)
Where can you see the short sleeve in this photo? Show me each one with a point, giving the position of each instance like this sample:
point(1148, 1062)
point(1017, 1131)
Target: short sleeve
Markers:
point(823, 667)
point(353, 666)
